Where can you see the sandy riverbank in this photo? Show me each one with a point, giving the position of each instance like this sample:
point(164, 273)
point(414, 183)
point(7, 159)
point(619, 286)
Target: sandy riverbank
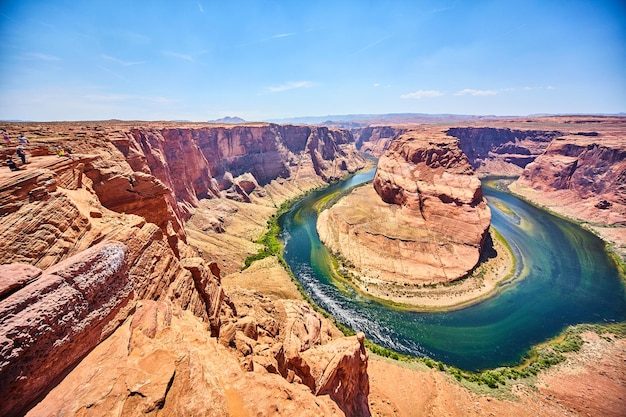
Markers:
point(483, 282)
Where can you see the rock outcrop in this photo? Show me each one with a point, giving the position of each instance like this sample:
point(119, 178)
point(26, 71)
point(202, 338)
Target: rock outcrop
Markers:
point(583, 177)
point(287, 337)
point(423, 221)
point(164, 363)
point(501, 151)
point(128, 192)
point(589, 168)
point(51, 321)
point(375, 140)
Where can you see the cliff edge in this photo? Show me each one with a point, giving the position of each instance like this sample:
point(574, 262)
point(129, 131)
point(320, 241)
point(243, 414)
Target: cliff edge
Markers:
point(101, 283)
point(582, 175)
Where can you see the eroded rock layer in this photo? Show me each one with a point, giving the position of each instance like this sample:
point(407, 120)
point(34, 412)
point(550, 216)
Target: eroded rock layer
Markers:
point(583, 176)
point(97, 236)
point(501, 151)
point(424, 220)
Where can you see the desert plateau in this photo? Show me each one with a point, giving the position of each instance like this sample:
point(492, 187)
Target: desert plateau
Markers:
point(122, 283)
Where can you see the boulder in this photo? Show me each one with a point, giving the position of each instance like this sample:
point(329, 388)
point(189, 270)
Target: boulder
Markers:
point(46, 327)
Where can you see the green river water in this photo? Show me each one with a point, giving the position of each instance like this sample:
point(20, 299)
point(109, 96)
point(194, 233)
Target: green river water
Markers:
point(564, 276)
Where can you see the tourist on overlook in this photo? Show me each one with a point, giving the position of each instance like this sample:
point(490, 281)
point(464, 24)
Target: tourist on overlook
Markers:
point(5, 136)
point(22, 138)
point(21, 153)
point(11, 164)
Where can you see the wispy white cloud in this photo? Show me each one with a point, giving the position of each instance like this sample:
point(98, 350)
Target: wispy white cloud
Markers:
point(40, 57)
point(376, 42)
point(527, 88)
point(200, 7)
point(185, 57)
point(282, 35)
point(269, 38)
point(376, 84)
point(113, 73)
point(443, 9)
point(108, 97)
point(422, 94)
point(291, 85)
point(132, 37)
point(121, 62)
point(472, 92)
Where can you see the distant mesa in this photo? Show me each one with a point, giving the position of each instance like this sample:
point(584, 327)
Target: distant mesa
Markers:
point(229, 120)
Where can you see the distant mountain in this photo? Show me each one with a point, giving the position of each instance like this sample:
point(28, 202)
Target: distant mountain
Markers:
point(229, 120)
point(359, 120)
point(620, 114)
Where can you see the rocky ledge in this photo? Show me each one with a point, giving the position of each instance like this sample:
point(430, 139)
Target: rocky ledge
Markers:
point(583, 176)
point(109, 305)
point(424, 220)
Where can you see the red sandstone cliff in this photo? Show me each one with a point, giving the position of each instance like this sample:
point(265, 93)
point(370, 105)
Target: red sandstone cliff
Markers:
point(588, 167)
point(583, 176)
point(375, 140)
point(423, 221)
point(490, 150)
point(101, 233)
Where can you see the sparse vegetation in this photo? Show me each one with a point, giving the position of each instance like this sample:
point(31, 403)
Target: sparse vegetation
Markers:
point(539, 358)
point(272, 246)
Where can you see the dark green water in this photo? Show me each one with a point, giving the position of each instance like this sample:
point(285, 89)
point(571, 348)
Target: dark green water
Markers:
point(564, 277)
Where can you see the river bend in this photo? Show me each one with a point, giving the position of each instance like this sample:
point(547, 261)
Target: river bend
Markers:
point(564, 276)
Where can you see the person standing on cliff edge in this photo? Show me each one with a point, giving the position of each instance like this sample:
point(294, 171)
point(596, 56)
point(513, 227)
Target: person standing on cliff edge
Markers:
point(21, 153)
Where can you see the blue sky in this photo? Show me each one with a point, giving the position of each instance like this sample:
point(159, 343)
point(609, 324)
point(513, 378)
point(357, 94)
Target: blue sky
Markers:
point(202, 60)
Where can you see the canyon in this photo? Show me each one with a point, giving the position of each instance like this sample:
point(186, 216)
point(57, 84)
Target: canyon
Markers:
point(95, 249)
point(570, 165)
point(122, 291)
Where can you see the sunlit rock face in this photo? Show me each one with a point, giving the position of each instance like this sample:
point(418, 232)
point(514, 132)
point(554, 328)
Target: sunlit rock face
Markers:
point(107, 309)
point(585, 173)
point(424, 220)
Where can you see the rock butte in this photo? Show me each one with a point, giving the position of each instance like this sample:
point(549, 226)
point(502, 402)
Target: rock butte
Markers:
point(423, 221)
point(120, 293)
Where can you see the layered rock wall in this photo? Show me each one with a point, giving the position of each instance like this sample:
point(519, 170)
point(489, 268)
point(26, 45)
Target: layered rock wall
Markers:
point(160, 174)
point(582, 177)
point(501, 151)
point(424, 220)
point(57, 317)
point(588, 168)
point(135, 187)
point(375, 140)
point(163, 363)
